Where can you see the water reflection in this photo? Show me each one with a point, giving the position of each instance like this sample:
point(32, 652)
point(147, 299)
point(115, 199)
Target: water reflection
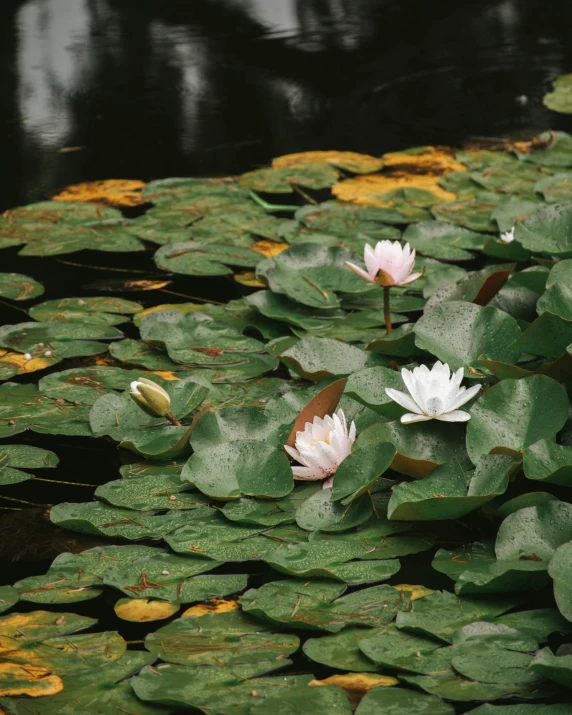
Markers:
point(102, 88)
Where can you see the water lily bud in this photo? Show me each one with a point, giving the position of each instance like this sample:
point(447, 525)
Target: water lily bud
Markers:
point(150, 397)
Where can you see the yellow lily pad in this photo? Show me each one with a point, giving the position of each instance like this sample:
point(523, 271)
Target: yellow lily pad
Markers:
point(248, 278)
point(114, 192)
point(269, 248)
point(18, 364)
point(25, 679)
point(349, 160)
point(356, 685)
point(217, 605)
point(419, 169)
point(413, 591)
point(142, 610)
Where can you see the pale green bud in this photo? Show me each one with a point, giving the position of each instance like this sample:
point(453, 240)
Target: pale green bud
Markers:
point(150, 397)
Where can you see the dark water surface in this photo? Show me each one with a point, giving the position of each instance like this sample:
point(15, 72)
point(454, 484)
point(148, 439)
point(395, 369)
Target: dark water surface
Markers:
point(96, 89)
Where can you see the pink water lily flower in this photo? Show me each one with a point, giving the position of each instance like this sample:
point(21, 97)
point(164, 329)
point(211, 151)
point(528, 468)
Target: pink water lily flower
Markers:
point(322, 447)
point(388, 264)
point(433, 394)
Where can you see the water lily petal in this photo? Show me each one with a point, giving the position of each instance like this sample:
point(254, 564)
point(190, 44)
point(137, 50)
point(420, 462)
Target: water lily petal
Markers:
point(410, 418)
point(404, 400)
point(454, 416)
point(307, 474)
point(465, 396)
point(359, 271)
point(412, 277)
point(292, 452)
point(328, 483)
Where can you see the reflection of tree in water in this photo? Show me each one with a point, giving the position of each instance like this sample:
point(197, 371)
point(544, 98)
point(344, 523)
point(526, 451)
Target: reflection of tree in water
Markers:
point(216, 86)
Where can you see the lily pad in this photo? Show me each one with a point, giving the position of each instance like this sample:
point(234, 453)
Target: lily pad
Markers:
point(561, 572)
point(442, 240)
point(459, 333)
point(399, 701)
point(449, 492)
point(16, 286)
point(514, 414)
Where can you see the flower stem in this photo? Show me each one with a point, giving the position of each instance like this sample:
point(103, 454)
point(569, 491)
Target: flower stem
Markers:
point(386, 309)
point(173, 420)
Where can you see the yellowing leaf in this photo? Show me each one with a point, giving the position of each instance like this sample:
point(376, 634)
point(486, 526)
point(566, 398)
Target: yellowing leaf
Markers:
point(19, 362)
point(413, 592)
point(145, 285)
point(16, 679)
point(356, 685)
point(217, 605)
point(349, 160)
point(248, 278)
point(141, 610)
point(269, 248)
point(115, 192)
point(165, 374)
point(419, 169)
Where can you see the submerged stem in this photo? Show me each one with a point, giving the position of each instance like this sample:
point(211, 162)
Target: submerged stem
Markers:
point(386, 309)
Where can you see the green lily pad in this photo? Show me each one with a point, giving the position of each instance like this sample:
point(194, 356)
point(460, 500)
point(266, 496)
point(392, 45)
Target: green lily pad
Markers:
point(193, 258)
point(441, 614)
point(548, 336)
point(552, 667)
point(14, 457)
point(391, 645)
point(38, 639)
point(101, 520)
point(320, 605)
point(151, 493)
point(494, 665)
point(459, 333)
point(399, 343)
point(8, 597)
point(95, 311)
point(547, 461)
point(496, 635)
point(474, 213)
point(449, 492)
point(514, 414)
point(309, 274)
point(399, 701)
point(341, 650)
point(329, 560)
point(538, 623)
point(561, 572)
point(557, 154)
point(59, 586)
point(547, 231)
point(360, 469)
point(368, 388)
point(478, 287)
point(443, 240)
point(242, 467)
point(57, 340)
point(280, 181)
point(219, 640)
point(560, 99)
point(535, 533)
point(420, 447)
point(86, 385)
point(16, 286)
point(453, 687)
point(320, 511)
point(105, 690)
point(25, 407)
point(306, 701)
point(319, 358)
point(186, 686)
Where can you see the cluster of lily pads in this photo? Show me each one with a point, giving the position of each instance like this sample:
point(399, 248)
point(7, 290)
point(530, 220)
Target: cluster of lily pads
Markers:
point(269, 586)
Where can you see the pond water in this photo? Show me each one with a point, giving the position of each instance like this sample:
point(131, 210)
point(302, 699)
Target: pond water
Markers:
point(145, 89)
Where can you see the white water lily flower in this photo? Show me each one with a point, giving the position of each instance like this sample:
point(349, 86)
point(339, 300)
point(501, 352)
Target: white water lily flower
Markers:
point(433, 394)
point(322, 447)
point(507, 237)
point(388, 264)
